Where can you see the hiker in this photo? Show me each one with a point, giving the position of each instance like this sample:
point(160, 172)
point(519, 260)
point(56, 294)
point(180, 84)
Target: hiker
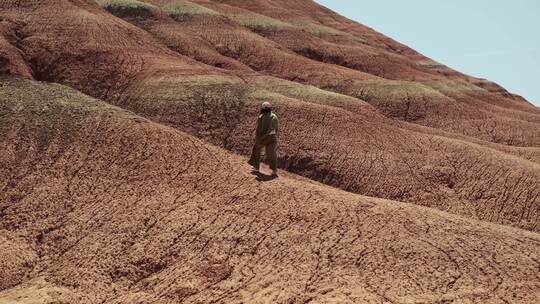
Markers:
point(266, 137)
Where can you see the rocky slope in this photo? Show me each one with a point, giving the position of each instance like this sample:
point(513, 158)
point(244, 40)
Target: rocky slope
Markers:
point(163, 64)
point(129, 200)
point(100, 205)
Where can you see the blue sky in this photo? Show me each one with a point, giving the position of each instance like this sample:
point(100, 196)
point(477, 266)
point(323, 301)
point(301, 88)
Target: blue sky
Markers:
point(498, 40)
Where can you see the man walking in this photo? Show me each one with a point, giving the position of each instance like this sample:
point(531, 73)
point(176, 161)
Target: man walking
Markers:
point(266, 136)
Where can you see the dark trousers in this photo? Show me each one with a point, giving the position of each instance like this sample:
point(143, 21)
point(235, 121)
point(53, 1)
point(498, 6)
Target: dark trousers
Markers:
point(270, 151)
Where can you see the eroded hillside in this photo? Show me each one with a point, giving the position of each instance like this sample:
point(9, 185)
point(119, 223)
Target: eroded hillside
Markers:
point(380, 122)
point(124, 127)
point(101, 205)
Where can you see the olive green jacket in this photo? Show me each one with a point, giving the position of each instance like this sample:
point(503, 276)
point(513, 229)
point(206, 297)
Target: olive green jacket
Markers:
point(267, 127)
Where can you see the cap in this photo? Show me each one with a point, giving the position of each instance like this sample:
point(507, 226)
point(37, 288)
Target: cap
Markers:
point(266, 105)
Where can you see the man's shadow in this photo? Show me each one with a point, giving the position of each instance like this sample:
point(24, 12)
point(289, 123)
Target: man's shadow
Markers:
point(261, 177)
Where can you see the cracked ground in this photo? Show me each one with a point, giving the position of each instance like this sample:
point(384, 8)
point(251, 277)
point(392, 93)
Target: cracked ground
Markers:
point(125, 128)
point(105, 206)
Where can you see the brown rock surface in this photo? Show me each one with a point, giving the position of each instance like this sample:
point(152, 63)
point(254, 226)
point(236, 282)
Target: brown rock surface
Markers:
point(338, 139)
point(99, 204)
point(110, 207)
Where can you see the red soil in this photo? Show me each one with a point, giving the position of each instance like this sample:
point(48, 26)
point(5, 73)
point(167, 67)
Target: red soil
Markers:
point(103, 205)
point(99, 205)
point(127, 66)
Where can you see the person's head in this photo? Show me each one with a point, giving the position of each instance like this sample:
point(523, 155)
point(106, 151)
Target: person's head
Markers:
point(266, 107)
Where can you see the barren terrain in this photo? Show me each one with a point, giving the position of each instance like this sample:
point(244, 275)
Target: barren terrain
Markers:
point(125, 127)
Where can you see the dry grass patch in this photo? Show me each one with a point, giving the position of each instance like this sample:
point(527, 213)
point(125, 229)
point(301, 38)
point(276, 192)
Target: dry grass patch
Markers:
point(118, 4)
point(260, 23)
point(453, 87)
point(180, 10)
